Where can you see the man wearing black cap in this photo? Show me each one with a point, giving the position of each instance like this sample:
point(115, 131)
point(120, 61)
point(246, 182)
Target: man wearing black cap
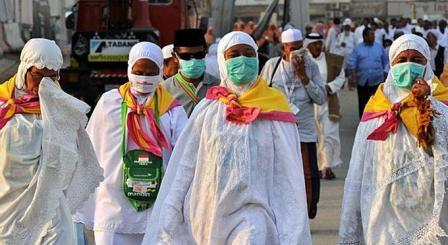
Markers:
point(191, 83)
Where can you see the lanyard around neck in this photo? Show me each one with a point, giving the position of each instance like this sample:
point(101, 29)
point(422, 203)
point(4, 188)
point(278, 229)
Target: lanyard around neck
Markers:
point(188, 88)
point(285, 77)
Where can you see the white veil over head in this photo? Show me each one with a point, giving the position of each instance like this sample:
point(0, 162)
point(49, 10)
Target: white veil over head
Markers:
point(403, 43)
point(40, 53)
point(229, 40)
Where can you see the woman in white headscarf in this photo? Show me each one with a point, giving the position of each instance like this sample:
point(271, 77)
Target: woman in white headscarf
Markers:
point(236, 174)
point(395, 191)
point(47, 164)
point(133, 130)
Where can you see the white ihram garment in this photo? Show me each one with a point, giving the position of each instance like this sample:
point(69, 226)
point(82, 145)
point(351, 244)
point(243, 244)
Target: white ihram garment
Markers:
point(232, 184)
point(48, 170)
point(396, 183)
point(395, 193)
point(328, 140)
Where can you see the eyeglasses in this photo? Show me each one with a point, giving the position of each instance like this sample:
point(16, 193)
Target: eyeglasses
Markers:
point(189, 56)
point(37, 76)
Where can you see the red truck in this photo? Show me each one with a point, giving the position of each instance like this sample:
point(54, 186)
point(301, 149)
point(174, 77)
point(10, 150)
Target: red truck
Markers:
point(104, 32)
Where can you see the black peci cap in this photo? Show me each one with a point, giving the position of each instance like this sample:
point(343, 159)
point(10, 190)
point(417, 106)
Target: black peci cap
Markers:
point(189, 38)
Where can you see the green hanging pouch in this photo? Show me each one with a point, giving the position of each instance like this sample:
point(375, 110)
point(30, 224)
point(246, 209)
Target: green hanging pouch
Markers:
point(142, 170)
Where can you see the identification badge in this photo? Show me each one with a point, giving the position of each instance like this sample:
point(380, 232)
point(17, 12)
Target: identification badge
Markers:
point(295, 110)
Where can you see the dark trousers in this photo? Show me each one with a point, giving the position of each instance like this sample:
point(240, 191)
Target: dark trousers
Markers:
point(311, 173)
point(364, 94)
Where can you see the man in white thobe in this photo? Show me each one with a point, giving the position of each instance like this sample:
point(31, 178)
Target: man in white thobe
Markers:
point(328, 115)
point(332, 35)
point(346, 42)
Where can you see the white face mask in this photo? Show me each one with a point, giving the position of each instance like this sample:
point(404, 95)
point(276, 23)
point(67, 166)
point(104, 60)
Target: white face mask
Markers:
point(144, 84)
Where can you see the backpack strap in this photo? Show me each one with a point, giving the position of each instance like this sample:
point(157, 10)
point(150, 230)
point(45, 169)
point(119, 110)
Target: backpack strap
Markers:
point(275, 70)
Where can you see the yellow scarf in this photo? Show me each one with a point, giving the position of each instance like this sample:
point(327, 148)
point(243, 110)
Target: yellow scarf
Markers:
point(406, 109)
point(260, 102)
point(27, 104)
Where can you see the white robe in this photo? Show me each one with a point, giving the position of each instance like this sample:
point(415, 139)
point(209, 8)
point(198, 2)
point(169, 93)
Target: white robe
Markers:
point(394, 192)
point(232, 184)
point(380, 35)
point(47, 170)
point(328, 140)
point(358, 34)
point(109, 210)
point(330, 42)
point(350, 44)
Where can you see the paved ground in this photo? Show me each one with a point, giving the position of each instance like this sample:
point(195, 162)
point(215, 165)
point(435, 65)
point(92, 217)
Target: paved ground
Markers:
point(324, 228)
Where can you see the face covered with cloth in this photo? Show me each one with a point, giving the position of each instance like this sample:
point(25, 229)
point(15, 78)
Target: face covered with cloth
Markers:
point(228, 179)
point(396, 184)
point(47, 163)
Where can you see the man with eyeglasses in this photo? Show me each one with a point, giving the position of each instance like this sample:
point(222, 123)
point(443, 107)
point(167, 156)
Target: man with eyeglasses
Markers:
point(190, 84)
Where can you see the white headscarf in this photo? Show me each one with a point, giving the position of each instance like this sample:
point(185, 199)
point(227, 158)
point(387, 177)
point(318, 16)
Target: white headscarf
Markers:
point(312, 38)
point(149, 51)
point(40, 53)
point(229, 40)
point(145, 50)
point(407, 42)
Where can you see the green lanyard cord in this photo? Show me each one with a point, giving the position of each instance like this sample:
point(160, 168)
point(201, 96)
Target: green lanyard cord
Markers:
point(124, 113)
point(185, 83)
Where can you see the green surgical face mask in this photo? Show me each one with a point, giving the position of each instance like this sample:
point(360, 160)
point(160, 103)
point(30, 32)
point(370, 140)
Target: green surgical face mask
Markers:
point(242, 70)
point(404, 74)
point(193, 68)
